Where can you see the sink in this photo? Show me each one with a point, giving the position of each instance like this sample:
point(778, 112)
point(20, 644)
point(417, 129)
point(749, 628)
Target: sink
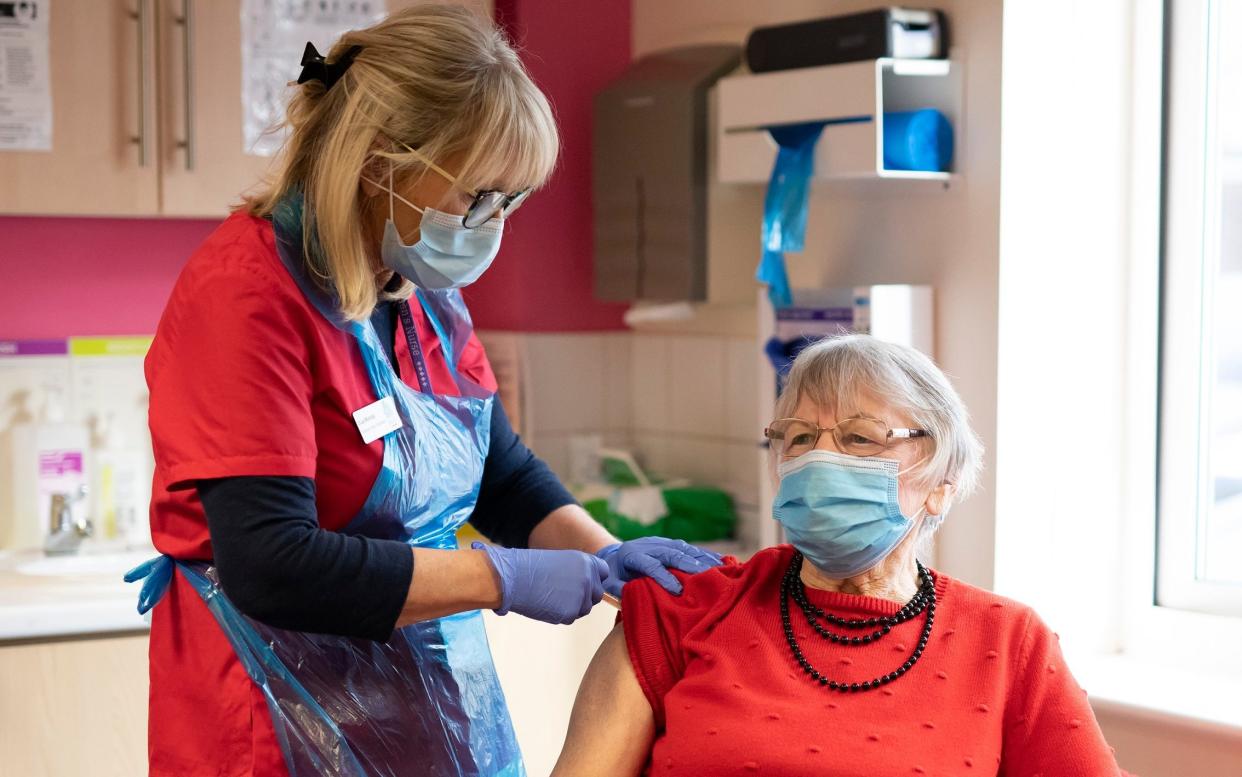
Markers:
point(112, 565)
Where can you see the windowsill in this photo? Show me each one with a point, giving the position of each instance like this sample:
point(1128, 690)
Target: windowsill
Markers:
point(1165, 693)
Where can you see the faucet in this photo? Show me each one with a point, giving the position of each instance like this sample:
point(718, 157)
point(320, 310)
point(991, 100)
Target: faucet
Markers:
point(67, 532)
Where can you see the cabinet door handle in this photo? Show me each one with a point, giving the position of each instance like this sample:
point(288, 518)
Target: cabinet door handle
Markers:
point(140, 16)
point(186, 20)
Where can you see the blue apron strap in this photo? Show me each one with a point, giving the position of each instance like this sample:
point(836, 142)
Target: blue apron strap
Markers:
point(416, 348)
point(256, 656)
point(156, 574)
point(263, 666)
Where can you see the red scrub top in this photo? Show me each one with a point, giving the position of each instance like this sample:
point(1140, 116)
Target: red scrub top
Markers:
point(247, 378)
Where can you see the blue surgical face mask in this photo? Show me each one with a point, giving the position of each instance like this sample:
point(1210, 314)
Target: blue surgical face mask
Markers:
point(841, 511)
point(447, 255)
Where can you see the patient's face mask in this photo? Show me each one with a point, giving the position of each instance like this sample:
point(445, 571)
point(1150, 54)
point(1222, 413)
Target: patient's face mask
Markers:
point(840, 511)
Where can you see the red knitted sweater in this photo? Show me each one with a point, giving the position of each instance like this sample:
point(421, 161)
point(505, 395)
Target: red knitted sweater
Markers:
point(991, 694)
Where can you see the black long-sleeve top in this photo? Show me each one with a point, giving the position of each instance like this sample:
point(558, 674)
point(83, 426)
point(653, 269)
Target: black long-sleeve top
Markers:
point(277, 565)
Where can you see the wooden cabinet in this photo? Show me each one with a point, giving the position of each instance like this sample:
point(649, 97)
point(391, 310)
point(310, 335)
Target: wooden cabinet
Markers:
point(102, 56)
point(165, 72)
point(78, 706)
point(204, 166)
point(125, 89)
point(203, 162)
point(74, 706)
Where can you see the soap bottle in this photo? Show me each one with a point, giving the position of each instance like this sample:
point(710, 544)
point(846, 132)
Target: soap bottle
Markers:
point(17, 480)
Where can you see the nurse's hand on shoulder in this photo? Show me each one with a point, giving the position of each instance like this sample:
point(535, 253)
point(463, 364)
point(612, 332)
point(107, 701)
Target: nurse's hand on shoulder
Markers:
point(553, 586)
point(652, 557)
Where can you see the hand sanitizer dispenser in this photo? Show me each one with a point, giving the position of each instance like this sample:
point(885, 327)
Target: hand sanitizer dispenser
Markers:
point(49, 459)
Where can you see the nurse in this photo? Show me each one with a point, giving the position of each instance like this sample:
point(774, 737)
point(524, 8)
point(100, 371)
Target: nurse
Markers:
point(324, 421)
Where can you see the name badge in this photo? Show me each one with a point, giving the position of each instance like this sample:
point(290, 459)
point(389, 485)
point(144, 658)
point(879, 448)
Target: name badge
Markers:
point(377, 419)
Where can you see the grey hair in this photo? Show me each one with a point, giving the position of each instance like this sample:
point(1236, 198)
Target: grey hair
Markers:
point(925, 542)
point(838, 373)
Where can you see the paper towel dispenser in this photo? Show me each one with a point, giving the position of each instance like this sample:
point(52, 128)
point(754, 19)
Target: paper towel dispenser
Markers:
point(649, 175)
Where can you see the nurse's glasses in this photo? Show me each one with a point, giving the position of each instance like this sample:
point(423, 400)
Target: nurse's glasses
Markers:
point(487, 204)
point(858, 436)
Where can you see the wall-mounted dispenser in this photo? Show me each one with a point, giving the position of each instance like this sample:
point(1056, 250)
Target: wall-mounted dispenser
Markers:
point(649, 175)
point(854, 101)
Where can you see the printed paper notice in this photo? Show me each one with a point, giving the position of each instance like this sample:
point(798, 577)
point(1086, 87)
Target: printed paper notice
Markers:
point(273, 35)
point(25, 76)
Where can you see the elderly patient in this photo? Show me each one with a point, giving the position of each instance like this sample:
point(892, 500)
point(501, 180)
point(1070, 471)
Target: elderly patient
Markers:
point(841, 653)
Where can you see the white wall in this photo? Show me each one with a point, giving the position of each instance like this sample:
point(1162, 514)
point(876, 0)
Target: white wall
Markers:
point(1064, 258)
point(686, 404)
point(886, 231)
point(540, 666)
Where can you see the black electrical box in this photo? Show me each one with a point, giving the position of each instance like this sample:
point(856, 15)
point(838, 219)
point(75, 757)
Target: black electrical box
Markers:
point(901, 33)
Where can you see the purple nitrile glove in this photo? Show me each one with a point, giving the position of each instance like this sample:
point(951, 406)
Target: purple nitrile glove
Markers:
point(649, 557)
point(553, 586)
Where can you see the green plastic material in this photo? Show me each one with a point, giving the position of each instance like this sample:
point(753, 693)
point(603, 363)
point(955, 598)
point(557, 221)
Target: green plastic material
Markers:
point(695, 514)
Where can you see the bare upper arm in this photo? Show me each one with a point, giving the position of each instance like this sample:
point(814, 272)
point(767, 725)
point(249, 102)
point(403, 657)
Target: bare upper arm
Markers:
point(612, 726)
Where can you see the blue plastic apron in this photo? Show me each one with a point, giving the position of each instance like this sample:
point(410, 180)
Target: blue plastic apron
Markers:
point(427, 702)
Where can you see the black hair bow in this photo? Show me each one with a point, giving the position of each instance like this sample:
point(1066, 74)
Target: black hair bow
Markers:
point(314, 68)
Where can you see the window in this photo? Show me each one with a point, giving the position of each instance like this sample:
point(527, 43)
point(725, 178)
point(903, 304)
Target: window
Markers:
point(1200, 449)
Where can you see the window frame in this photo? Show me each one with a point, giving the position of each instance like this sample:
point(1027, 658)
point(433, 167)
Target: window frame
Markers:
point(1190, 218)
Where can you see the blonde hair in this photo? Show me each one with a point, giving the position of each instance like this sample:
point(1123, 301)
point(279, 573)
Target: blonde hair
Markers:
point(839, 373)
point(437, 78)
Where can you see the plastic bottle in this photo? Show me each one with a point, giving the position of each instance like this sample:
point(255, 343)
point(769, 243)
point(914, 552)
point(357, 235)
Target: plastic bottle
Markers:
point(17, 484)
point(120, 508)
point(48, 457)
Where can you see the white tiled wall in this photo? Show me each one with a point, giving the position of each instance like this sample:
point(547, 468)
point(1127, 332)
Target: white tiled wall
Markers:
point(687, 405)
point(575, 384)
point(92, 387)
point(695, 408)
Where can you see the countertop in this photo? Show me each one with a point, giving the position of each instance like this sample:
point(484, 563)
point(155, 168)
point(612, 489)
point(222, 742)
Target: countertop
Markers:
point(57, 596)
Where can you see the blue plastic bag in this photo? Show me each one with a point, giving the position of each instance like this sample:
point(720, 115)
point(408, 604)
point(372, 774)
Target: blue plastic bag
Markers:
point(918, 140)
point(785, 205)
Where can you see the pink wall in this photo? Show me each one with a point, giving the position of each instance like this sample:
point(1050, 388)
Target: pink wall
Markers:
point(87, 276)
point(543, 278)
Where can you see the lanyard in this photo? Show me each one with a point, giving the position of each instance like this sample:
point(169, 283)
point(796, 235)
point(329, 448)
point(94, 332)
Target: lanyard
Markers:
point(416, 348)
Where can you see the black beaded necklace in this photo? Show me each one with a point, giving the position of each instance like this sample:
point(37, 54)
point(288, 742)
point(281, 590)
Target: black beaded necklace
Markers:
point(924, 601)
